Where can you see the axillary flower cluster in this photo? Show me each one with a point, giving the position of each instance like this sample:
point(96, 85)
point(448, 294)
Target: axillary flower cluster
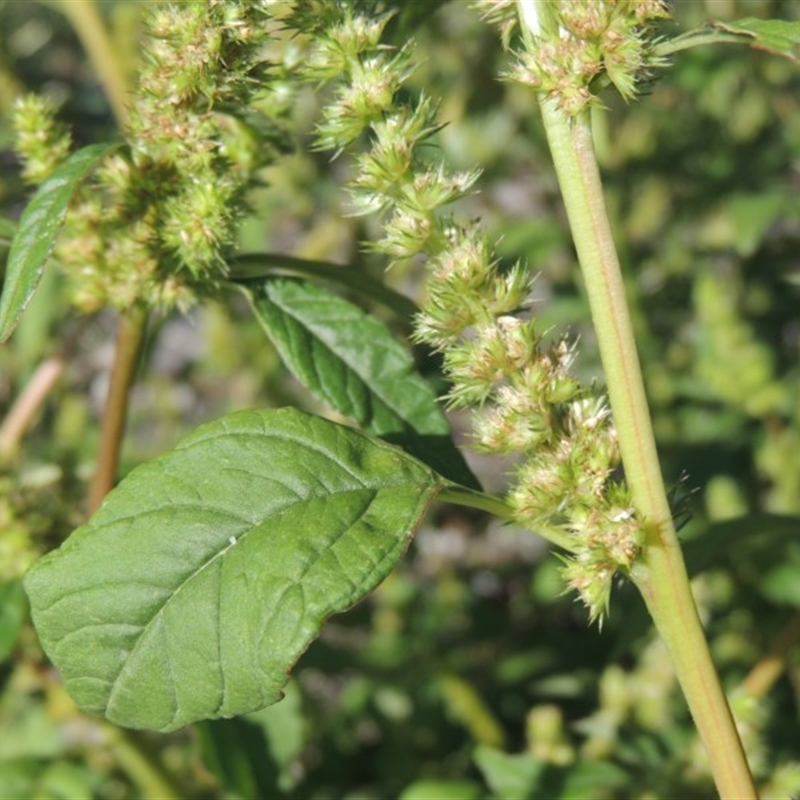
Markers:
point(514, 377)
point(574, 47)
point(157, 220)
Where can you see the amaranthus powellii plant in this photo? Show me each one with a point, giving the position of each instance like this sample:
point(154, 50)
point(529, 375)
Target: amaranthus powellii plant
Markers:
point(273, 521)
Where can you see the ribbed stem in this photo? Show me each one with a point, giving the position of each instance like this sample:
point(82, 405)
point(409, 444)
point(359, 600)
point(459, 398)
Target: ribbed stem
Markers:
point(661, 576)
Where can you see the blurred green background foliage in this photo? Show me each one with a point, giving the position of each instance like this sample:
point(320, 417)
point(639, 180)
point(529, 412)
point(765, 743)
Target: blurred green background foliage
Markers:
point(467, 674)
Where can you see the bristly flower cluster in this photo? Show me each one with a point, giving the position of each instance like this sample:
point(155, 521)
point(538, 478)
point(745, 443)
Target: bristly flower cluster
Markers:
point(519, 387)
point(158, 219)
point(572, 48)
point(41, 142)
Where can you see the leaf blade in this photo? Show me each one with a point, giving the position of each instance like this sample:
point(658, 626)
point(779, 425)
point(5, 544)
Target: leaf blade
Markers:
point(352, 362)
point(199, 607)
point(37, 231)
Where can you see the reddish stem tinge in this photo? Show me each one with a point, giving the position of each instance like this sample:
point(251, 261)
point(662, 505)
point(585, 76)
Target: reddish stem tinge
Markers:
point(24, 409)
point(130, 335)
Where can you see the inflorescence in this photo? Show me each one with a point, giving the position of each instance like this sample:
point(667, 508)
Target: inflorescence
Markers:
point(158, 219)
point(516, 381)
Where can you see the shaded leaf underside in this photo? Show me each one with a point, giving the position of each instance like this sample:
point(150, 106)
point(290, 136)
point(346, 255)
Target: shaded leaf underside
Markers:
point(352, 362)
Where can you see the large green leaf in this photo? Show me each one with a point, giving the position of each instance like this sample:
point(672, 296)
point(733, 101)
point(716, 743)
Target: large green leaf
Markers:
point(207, 572)
point(351, 361)
point(38, 228)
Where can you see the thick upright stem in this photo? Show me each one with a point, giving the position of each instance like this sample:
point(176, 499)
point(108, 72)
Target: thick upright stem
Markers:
point(661, 576)
point(130, 334)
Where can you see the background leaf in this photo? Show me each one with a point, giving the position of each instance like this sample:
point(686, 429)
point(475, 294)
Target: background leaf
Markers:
point(12, 615)
point(7, 230)
point(207, 572)
point(442, 790)
point(351, 361)
point(253, 755)
point(762, 533)
point(510, 777)
point(38, 228)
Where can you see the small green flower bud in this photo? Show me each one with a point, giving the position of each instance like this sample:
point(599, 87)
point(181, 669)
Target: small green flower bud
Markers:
point(592, 581)
point(408, 233)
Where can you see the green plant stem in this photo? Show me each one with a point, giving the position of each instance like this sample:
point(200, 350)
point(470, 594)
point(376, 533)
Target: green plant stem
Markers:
point(698, 38)
point(130, 334)
point(85, 19)
point(461, 496)
point(145, 771)
point(661, 576)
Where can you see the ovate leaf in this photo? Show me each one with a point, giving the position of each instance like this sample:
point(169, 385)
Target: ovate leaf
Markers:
point(352, 362)
point(38, 228)
point(204, 576)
